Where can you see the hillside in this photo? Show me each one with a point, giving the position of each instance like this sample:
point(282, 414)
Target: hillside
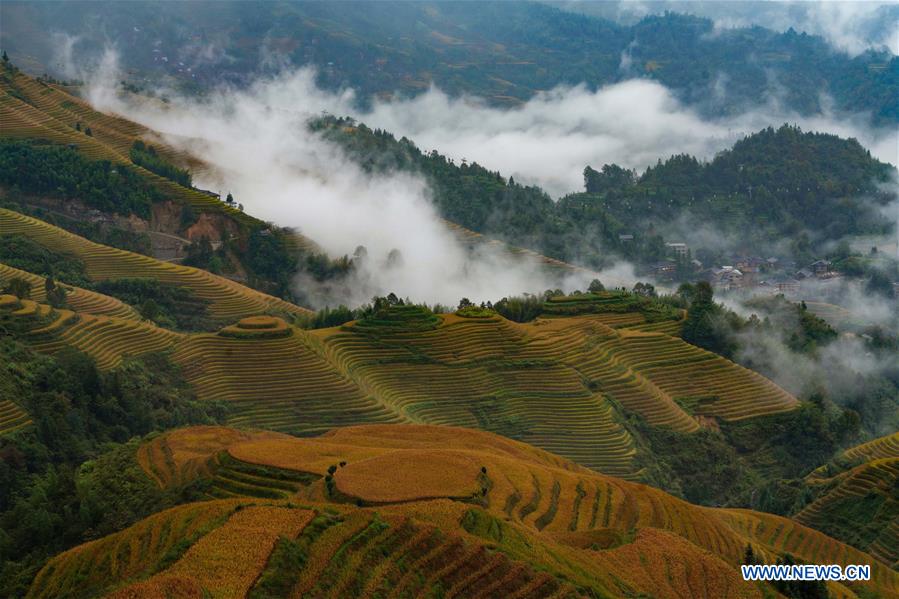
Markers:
point(505, 52)
point(782, 181)
point(857, 498)
point(394, 510)
point(772, 184)
point(559, 382)
point(227, 299)
point(33, 109)
point(46, 121)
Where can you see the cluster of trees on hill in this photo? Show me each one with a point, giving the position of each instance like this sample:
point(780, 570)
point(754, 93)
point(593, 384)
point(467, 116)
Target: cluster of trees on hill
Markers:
point(145, 155)
point(72, 475)
point(756, 341)
point(774, 184)
point(62, 172)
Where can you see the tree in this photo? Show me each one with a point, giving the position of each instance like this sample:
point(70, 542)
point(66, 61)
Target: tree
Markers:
point(464, 303)
point(645, 289)
point(596, 286)
point(88, 132)
point(149, 309)
point(56, 294)
point(78, 126)
point(5, 57)
point(749, 555)
point(18, 287)
point(230, 199)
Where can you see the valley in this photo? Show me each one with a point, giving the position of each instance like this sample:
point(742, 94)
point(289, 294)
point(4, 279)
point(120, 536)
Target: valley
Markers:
point(354, 367)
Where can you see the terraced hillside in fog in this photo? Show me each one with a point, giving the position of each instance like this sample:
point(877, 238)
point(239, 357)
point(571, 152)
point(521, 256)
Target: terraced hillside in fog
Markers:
point(560, 382)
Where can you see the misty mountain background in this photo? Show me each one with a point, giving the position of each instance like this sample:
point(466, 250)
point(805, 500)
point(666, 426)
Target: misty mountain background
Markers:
point(505, 52)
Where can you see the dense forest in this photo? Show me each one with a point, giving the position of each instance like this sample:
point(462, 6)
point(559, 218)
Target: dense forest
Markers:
point(774, 184)
point(72, 477)
point(63, 172)
point(780, 183)
point(503, 51)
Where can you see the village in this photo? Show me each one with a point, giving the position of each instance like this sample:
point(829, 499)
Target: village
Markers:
point(753, 275)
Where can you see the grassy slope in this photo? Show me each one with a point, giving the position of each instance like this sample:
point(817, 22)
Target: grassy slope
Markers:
point(541, 516)
point(31, 109)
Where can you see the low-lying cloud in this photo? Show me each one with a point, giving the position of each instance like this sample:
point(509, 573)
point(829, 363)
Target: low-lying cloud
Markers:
point(259, 148)
point(849, 26)
point(551, 138)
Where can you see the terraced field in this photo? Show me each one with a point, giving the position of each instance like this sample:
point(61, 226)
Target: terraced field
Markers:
point(880, 448)
point(80, 300)
point(12, 417)
point(487, 373)
point(229, 300)
point(346, 553)
point(555, 382)
point(108, 339)
point(530, 381)
point(858, 498)
point(31, 109)
point(436, 495)
point(92, 568)
point(279, 383)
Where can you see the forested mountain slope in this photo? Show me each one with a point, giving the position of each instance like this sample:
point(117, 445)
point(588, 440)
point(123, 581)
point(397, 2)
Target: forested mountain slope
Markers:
point(504, 51)
point(774, 186)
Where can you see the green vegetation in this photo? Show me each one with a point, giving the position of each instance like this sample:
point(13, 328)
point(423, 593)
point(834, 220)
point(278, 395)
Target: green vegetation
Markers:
point(168, 306)
point(757, 463)
point(784, 181)
point(145, 155)
point(520, 309)
point(72, 475)
point(391, 314)
point(288, 559)
point(23, 253)
point(795, 191)
point(327, 317)
point(62, 172)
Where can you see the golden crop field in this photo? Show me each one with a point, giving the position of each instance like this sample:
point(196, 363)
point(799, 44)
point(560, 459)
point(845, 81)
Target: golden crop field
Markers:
point(555, 382)
point(246, 538)
point(80, 300)
point(559, 527)
point(92, 568)
point(228, 300)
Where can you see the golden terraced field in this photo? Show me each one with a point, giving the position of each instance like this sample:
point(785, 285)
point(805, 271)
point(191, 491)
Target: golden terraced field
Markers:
point(30, 109)
point(556, 382)
point(857, 500)
point(387, 525)
point(81, 300)
point(229, 300)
